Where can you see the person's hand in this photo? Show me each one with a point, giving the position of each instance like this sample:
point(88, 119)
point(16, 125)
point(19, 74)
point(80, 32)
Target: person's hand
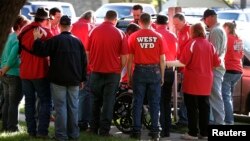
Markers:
point(82, 85)
point(37, 33)
point(162, 81)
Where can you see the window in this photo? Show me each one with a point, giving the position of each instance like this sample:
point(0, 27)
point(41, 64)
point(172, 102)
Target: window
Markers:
point(242, 17)
point(66, 11)
point(228, 16)
point(122, 11)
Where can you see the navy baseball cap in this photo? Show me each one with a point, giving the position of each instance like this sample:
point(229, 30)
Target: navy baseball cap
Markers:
point(208, 12)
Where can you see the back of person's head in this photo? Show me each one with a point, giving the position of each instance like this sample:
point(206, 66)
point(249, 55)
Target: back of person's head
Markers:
point(54, 10)
point(137, 7)
point(198, 30)
point(231, 27)
point(161, 20)
point(111, 15)
point(20, 22)
point(180, 16)
point(132, 27)
point(145, 19)
point(65, 23)
point(88, 15)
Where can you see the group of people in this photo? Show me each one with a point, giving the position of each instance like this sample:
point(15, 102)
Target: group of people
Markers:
point(78, 66)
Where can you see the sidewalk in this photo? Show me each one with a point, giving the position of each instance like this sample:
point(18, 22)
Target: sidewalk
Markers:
point(144, 137)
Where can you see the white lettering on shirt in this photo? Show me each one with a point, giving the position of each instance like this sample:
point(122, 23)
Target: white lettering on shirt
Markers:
point(147, 42)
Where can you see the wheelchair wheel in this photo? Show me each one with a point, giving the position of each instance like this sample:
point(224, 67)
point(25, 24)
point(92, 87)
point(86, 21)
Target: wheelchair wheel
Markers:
point(122, 116)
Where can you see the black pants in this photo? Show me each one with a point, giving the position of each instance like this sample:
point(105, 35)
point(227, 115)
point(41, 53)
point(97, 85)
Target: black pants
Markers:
point(12, 98)
point(166, 93)
point(198, 114)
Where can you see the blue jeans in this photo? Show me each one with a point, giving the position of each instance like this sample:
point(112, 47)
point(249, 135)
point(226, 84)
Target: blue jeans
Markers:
point(12, 97)
point(228, 84)
point(104, 87)
point(33, 89)
point(216, 101)
point(165, 105)
point(85, 105)
point(146, 81)
point(65, 100)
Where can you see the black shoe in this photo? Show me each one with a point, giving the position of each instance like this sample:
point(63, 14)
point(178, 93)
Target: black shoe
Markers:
point(164, 134)
point(179, 124)
point(32, 135)
point(135, 135)
point(83, 126)
point(92, 131)
point(44, 137)
point(154, 135)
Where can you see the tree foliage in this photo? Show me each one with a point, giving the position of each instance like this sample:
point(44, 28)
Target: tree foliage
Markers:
point(9, 10)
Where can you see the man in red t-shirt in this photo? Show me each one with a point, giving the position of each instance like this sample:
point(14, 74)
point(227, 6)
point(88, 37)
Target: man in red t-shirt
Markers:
point(147, 52)
point(56, 14)
point(81, 29)
point(107, 57)
point(170, 40)
point(136, 11)
point(183, 35)
point(33, 72)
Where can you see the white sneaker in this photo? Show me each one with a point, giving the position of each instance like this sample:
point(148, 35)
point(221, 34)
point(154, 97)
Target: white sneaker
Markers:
point(188, 137)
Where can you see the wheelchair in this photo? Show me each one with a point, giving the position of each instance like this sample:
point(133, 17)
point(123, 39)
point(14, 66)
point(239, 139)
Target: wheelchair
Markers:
point(122, 114)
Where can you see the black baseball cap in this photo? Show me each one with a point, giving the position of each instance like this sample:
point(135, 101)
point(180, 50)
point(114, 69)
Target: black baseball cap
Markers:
point(65, 20)
point(208, 12)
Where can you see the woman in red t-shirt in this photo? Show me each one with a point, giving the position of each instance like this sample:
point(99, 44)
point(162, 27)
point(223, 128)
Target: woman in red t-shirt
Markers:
point(199, 58)
point(233, 64)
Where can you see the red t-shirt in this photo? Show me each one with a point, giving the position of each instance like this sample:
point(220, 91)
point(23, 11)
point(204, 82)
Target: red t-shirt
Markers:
point(33, 67)
point(234, 53)
point(147, 46)
point(170, 40)
point(106, 44)
point(200, 58)
point(81, 29)
point(55, 30)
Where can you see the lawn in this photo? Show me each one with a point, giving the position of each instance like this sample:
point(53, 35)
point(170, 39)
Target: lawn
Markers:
point(23, 136)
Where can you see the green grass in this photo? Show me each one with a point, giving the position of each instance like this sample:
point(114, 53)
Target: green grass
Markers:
point(23, 136)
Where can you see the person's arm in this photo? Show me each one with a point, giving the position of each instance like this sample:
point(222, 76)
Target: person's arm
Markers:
point(40, 48)
point(124, 59)
point(175, 63)
point(162, 66)
point(130, 63)
point(218, 38)
point(84, 63)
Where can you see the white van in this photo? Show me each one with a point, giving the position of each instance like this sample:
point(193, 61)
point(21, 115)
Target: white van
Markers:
point(32, 6)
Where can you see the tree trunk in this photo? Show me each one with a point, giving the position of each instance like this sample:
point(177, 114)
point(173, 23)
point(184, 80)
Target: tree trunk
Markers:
point(9, 10)
point(159, 5)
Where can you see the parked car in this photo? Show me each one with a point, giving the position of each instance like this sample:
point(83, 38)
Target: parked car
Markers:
point(122, 9)
point(32, 6)
point(241, 95)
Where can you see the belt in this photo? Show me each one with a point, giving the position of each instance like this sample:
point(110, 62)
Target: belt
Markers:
point(147, 65)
